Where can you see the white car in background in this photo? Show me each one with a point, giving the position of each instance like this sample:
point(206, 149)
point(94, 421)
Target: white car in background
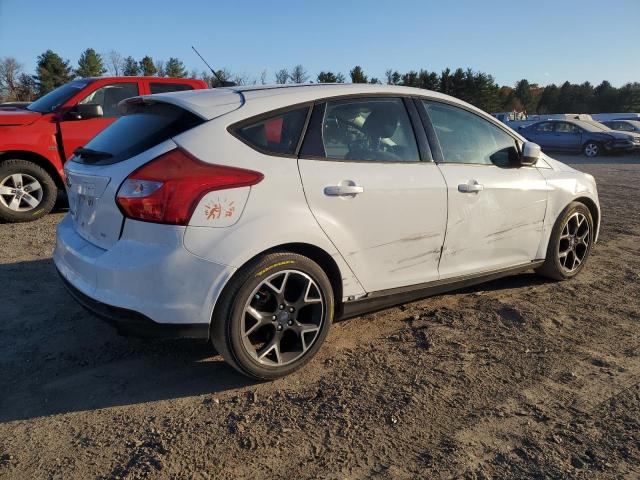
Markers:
point(254, 217)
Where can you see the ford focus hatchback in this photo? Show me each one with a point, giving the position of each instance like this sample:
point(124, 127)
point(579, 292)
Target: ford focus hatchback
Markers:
point(255, 217)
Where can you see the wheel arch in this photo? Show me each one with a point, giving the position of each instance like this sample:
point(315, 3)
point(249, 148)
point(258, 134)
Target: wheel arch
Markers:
point(36, 158)
point(593, 209)
point(313, 252)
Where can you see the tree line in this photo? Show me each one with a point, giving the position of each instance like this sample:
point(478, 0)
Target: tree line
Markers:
point(477, 88)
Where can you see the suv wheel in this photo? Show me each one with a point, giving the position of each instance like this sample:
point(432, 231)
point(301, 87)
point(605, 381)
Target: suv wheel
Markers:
point(569, 244)
point(591, 149)
point(273, 316)
point(27, 191)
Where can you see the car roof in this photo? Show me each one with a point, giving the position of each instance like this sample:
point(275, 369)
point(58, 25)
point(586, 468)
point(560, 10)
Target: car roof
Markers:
point(140, 77)
point(263, 98)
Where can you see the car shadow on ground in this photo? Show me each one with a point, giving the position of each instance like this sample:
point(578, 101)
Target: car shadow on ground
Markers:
point(55, 357)
point(58, 358)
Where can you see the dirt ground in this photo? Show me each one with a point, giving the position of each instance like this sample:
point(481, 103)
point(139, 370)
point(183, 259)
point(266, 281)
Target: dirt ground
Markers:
point(517, 378)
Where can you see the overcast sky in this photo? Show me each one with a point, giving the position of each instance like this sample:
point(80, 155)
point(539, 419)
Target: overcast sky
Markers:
point(544, 41)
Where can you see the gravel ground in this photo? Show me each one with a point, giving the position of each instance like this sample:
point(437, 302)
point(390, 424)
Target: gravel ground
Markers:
point(519, 377)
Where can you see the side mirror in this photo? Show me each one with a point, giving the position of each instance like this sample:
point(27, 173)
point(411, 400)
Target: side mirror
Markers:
point(85, 111)
point(531, 153)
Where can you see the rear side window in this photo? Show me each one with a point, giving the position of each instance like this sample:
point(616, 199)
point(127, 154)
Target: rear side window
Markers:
point(157, 87)
point(143, 127)
point(277, 134)
point(369, 129)
point(564, 127)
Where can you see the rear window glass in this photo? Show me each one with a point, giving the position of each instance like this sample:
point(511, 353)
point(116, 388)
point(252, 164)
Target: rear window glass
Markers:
point(142, 128)
point(277, 134)
point(168, 87)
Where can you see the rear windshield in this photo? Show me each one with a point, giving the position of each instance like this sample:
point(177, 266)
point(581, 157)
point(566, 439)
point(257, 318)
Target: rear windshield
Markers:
point(143, 127)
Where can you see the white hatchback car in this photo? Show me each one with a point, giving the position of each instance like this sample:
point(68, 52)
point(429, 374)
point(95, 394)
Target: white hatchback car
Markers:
point(254, 217)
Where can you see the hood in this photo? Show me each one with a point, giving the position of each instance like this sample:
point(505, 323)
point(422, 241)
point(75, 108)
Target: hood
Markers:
point(17, 116)
point(557, 165)
point(622, 135)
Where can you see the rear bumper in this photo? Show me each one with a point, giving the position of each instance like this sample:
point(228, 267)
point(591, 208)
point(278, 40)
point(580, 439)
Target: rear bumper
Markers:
point(130, 323)
point(146, 284)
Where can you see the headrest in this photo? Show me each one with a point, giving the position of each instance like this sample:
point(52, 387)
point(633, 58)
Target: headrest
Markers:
point(382, 122)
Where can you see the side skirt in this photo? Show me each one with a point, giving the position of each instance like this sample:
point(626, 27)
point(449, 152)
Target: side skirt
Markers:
point(397, 296)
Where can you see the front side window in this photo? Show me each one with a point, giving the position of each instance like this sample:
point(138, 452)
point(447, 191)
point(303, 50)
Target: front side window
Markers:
point(465, 137)
point(277, 134)
point(161, 87)
point(109, 96)
point(564, 127)
point(623, 126)
point(374, 129)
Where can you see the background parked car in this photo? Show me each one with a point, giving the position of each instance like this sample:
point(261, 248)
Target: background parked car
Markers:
point(623, 125)
point(592, 138)
point(36, 141)
point(12, 105)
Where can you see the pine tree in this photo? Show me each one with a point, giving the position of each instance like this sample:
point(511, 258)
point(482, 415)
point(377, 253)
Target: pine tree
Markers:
point(523, 93)
point(330, 77)
point(147, 67)
point(357, 75)
point(428, 81)
point(410, 79)
point(130, 67)
point(549, 99)
point(52, 71)
point(446, 84)
point(174, 68)
point(90, 64)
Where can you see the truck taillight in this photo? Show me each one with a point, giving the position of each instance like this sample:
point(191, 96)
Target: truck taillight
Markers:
point(168, 188)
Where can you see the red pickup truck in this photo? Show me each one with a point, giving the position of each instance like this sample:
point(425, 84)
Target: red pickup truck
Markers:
point(36, 141)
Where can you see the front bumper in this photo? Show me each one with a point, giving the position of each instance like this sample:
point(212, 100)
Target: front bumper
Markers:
point(622, 146)
point(147, 284)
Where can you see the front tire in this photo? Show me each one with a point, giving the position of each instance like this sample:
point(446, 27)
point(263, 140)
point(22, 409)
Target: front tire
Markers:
point(27, 191)
point(273, 316)
point(569, 244)
point(591, 149)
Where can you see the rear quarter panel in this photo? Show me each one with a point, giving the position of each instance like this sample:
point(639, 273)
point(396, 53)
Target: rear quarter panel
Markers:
point(275, 213)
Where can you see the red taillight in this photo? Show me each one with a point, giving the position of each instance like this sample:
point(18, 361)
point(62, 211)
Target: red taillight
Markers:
point(168, 188)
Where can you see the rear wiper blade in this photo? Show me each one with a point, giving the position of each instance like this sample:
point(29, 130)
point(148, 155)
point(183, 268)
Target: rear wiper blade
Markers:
point(91, 153)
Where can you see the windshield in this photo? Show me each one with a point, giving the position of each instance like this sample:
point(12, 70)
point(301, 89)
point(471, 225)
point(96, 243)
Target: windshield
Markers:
point(57, 97)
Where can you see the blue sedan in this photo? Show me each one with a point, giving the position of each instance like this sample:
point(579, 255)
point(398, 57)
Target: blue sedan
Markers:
point(591, 138)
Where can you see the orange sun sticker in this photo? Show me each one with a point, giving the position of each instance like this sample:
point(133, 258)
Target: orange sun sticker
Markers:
point(215, 209)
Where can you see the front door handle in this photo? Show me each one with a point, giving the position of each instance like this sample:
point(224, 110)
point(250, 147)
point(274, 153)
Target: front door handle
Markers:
point(472, 186)
point(339, 190)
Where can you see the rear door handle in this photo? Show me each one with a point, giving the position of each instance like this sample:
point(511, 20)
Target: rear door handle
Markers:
point(472, 186)
point(338, 190)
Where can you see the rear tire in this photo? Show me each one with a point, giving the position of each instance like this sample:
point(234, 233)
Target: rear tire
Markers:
point(569, 244)
point(27, 191)
point(591, 149)
point(273, 316)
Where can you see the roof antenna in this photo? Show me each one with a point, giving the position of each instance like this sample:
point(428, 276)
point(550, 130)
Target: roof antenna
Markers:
point(222, 83)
